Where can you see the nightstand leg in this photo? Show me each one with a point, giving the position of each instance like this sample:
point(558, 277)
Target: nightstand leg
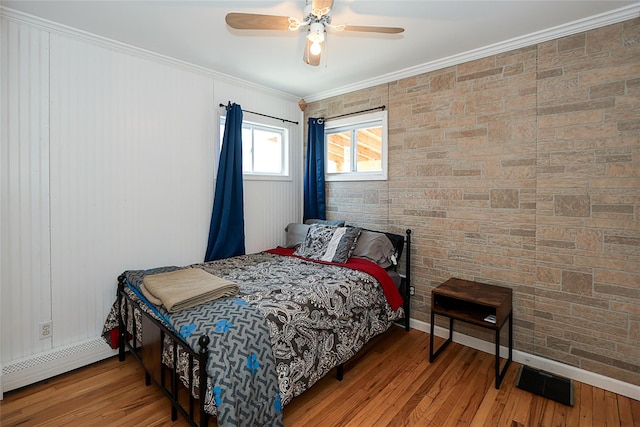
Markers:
point(433, 354)
point(498, 379)
point(511, 337)
point(500, 375)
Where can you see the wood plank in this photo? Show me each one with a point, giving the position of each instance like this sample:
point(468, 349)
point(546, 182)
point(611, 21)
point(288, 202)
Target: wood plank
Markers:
point(573, 416)
point(436, 390)
point(537, 410)
point(521, 412)
point(510, 399)
point(391, 384)
point(612, 414)
point(626, 416)
point(388, 402)
point(599, 409)
point(469, 399)
point(440, 373)
point(585, 405)
point(635, 411)
point(448, 401)
point(560, 415)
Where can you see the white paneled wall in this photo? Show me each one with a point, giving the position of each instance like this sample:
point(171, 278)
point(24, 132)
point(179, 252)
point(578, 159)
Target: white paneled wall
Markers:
point(131, 174)
point(108, 164)
point(24, 186)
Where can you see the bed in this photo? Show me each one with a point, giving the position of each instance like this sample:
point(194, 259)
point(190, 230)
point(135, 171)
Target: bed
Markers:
point(298, 312)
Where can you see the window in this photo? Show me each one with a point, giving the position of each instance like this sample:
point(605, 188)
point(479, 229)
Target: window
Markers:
point(356, 148)
point(265, 149)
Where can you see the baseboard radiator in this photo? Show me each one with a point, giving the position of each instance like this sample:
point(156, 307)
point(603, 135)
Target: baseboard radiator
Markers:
point(41, 366)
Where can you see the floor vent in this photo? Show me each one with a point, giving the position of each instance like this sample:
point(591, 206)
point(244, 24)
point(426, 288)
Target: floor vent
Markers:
point(546, 385)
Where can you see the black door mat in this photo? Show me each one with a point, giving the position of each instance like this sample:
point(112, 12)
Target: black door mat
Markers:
point(545, 384)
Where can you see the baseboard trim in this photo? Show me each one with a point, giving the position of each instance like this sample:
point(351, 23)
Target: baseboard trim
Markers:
point(596, 380)
point(41, 366)
point(45, 365)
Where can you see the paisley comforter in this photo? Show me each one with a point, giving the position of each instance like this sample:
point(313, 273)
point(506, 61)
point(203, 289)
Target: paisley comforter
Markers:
point(312, 317)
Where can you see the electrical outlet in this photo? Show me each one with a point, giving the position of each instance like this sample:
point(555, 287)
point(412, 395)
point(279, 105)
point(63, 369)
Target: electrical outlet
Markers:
point(412, 291)
point(46, 329)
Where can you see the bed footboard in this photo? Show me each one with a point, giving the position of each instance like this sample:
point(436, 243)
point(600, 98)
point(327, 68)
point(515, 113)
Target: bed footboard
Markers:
point(148, 348)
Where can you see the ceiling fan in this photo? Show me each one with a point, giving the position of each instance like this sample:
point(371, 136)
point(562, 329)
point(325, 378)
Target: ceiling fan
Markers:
point(317, 17)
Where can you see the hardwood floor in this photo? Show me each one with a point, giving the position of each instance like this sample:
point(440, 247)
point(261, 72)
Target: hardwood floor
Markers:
point(392, 384)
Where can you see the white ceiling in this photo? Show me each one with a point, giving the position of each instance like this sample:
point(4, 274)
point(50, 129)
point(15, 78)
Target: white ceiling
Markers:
point(196, 32)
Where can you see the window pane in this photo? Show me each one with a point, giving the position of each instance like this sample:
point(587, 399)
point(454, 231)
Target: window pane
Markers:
point(369, 149)
point(267, 151)
point(264, 149)
point(339, 152)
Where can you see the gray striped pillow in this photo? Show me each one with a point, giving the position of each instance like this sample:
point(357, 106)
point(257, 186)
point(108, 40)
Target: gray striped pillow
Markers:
point(329, 243)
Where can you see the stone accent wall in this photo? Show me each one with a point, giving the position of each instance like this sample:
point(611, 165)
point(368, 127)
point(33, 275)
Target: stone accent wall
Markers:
point(522, 170)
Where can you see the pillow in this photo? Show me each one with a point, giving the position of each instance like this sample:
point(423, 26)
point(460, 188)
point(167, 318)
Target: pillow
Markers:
point(296, 234)
point(334, 222)
point(375, 247)
point(329, 243)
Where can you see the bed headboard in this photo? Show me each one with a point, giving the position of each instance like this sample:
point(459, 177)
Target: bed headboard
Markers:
point(399, 243)
point(397, 240)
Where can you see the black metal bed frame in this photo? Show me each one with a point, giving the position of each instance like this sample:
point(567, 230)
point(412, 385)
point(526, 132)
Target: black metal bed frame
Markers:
point(159, 374)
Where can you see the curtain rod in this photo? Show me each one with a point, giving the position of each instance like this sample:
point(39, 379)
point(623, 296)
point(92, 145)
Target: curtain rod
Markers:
point(264, 115)
point(382, 108)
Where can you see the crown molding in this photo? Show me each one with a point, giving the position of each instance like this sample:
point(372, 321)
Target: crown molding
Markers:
point(61, 29)
point(575, 27)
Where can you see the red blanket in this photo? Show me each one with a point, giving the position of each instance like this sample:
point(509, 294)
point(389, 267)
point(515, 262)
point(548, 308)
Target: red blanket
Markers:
point(380, 274)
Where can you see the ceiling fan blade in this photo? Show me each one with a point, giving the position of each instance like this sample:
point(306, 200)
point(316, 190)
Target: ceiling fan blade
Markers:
point(366, 29)
point(321, 7)
point(254, 21)
point(308, 57)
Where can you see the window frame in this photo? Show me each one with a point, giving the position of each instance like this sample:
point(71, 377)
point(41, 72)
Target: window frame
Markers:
point(265, 124)
point(352, 123)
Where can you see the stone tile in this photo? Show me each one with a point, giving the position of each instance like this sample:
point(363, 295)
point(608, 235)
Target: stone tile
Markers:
point(589, 240)
point(480, 74)
point(575, 206)
point(619, 291)
point(604, 90)
point(605, 38)
point(466, 133)
point(622, 240)
point(441, 169)
point(577, 106)
point(555, 72)
point(577, 283)
point(505, 198)
point(443, 82)
point(577, 41)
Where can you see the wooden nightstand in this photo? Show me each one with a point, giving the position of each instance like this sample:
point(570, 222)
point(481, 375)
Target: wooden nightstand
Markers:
point(473, 302)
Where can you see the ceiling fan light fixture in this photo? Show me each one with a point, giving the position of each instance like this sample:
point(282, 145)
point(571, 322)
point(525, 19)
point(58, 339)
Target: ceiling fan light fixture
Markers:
point(316, 32)
point(315, 48)
point(316, 37)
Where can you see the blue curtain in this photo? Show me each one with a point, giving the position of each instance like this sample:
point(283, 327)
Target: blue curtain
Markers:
point(314, 192)
point(226, 232)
